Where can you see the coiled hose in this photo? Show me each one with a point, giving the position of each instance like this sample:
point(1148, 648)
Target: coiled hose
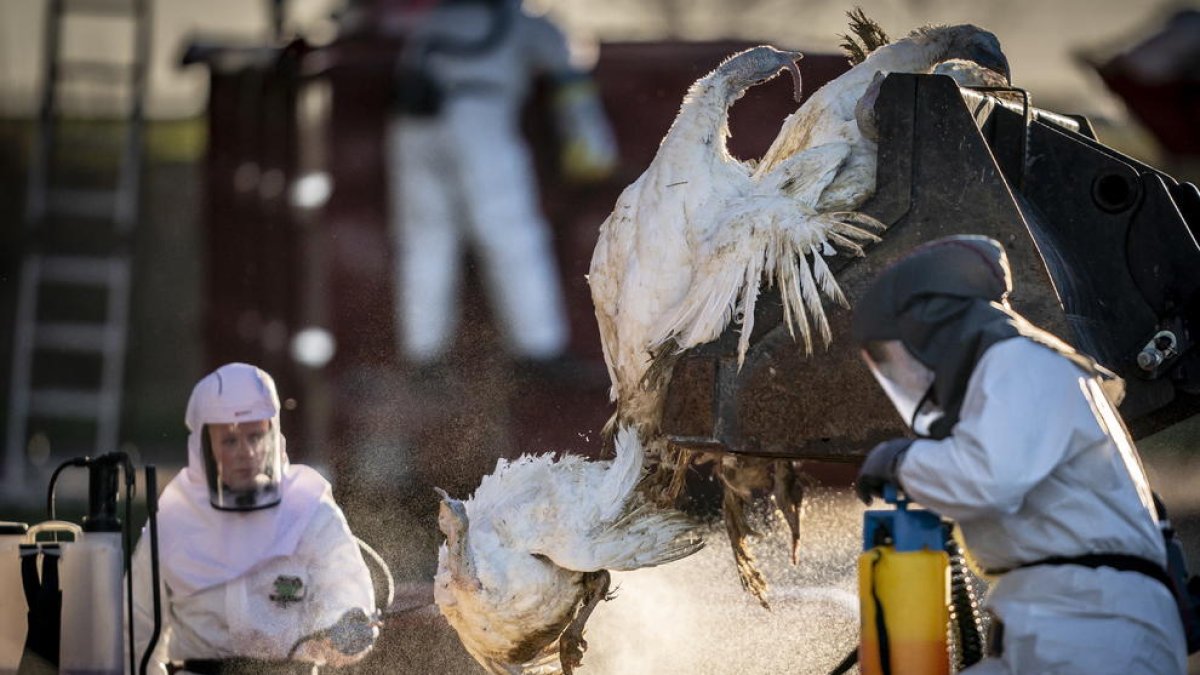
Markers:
point(966, 619)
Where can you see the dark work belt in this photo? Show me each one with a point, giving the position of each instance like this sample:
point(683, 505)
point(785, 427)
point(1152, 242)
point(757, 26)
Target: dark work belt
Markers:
point(1120, 562)
point(995, 636)
point(243, 666)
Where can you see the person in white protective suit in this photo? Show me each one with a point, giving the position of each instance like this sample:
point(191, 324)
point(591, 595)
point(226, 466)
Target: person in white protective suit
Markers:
point(1020, 443)
point(260, 572)
point(460, 171)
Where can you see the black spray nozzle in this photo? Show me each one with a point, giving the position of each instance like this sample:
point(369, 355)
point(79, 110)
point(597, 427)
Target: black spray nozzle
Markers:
point(353, 632)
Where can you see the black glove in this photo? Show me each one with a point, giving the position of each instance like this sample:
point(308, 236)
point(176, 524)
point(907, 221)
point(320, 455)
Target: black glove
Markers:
point(879, 468)
point(352, 633)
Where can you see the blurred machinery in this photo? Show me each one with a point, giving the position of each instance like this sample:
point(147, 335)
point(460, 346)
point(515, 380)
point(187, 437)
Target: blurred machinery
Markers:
point(1158, 79)
point(254, 238)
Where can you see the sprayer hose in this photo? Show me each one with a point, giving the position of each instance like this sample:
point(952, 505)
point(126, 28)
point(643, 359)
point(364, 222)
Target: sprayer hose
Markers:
point(964, 608)
point(389, 582)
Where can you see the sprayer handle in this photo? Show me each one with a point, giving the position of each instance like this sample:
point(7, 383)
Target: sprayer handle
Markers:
point(891, 495)
point(54, 526)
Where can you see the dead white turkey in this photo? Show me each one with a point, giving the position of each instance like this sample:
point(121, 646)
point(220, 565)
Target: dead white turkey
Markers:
point(690, 242)
point(526, 558)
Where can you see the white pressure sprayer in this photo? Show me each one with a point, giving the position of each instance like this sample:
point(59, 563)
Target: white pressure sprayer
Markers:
point(61, 604)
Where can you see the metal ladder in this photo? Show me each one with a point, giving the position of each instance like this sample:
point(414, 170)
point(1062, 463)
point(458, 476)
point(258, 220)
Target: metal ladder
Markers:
point(112, 210)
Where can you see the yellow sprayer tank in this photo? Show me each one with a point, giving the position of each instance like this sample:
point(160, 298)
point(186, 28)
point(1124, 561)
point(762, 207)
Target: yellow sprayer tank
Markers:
point(904, 593)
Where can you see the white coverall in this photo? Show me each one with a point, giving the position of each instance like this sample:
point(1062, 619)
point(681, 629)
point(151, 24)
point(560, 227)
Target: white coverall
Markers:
point(1039, 466)
point(465, 174)
point(211, 619)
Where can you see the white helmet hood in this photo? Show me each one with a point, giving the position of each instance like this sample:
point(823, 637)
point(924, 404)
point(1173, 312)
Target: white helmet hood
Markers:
point(236, 393)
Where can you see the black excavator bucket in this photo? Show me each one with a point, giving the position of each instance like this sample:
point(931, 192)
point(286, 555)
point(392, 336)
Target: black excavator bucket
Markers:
point(1103, 252)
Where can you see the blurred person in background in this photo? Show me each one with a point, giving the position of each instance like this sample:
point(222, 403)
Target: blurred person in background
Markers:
point(259, 567)
point(1020, 443)
point(461, 173)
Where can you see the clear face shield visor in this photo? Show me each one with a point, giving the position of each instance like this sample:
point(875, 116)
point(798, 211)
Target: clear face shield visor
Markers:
point(244, 464)
point(905, 380)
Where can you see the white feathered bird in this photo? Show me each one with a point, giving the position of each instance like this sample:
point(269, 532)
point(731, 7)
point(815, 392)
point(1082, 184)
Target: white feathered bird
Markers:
point(807, 188)
point(526, 558)
point(685, 242)
point(688, 244)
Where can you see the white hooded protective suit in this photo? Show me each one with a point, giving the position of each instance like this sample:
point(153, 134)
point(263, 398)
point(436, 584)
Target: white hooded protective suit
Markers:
point(465, 175)
point(1039, 465)
point(245, 583)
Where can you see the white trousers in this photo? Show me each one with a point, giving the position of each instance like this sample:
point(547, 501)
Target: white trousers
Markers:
point(1068, 619)
point(465, 178)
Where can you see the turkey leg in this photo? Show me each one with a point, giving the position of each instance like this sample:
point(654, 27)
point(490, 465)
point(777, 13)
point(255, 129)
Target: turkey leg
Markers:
point(571, 644)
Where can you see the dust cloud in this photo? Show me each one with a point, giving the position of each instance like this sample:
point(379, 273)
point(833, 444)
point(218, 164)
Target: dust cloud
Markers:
point(693, 617)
